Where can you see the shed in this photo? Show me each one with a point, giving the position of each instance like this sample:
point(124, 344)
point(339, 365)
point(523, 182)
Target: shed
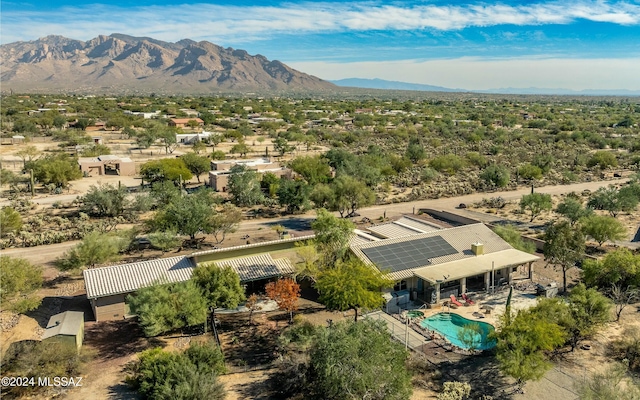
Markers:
point(66, 327)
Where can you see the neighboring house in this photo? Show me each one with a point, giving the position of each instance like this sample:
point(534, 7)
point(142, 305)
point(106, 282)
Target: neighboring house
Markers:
point(220, 170)
point(184, 122)
point(108, 287)
point(66, 327)
point(107, 165)
point(188, 138)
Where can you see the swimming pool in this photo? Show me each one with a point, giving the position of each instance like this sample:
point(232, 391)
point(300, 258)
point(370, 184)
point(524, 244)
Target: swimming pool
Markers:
point(451, 326)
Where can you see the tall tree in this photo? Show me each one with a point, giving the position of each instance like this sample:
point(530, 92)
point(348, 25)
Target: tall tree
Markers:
point(535, 204)
point(620, 267)
point(351, 194)
point(198, 165)
point(285, 292)
point(363, 290)
point(225, 221)
point(167, 169)
point(613, 200)
point(293, 194)
point(314, 169)
point(331, 236)
point(564, 246)
point(244, 186)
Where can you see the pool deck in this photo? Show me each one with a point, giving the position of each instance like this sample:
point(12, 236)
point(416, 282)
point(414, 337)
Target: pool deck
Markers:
point(519, 300)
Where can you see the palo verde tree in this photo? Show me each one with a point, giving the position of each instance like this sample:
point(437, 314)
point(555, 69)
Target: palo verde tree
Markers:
point(104, 200)
point(363, 290)
point(535, 204)
point(225, 221)
point(602, 228)
point(167, 169)
point(572, 209)
point(351, 194)
point(285, 292)
point(10, 221)
point(523, 344)
point(57, 169)
point(564, 246)
point(619, 267)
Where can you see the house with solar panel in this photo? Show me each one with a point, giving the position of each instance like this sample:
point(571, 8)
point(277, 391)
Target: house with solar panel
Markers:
point(108, 287)
point(429, 262)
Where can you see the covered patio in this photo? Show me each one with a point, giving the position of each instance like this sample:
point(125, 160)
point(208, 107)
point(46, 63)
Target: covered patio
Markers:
point(479, 273)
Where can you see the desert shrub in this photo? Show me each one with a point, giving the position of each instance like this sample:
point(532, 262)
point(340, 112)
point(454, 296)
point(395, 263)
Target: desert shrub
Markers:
point(602, 159)
point(19, 282)
point(448, 163)
point(496, 175)
point(191, 375)
point(10, 221)
point(40, 359)
point(511, 235)
point(628, 348)
point(428, 174)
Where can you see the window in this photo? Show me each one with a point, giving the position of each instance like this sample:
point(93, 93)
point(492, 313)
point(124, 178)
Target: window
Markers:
point(402, 285)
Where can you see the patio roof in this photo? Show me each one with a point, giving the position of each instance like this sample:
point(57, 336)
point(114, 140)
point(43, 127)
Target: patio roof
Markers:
point(473, 265)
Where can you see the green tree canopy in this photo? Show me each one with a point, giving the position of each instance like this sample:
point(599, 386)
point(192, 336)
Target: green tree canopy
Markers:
point(530, 172)
point(198, 165)
point(293, 194)
point(225, 221)
point(244, 186)
point(104, 200)
point(602, 228)
point(19, 282)
point(163, 307)
point(535, 204)
point(314, 169)
point(511, 235)
point(363, 290)
point(10, 221)
point(220, 286)
point(496, 175)
point(167, 169)
point(332, 236)
point(523, 344)
point(351, 194)
point(187, 215)
point(57, 169)
point(619, 267)
point(359, 360)
point(613, 200)
point(95, 248)
point(573, 210)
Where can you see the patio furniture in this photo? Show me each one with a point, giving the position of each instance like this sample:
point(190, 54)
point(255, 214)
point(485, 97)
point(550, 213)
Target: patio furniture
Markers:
point(455, 301)
point(467, 300)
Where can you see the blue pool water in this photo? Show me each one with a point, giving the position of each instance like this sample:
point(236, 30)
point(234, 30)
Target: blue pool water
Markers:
point(449, 326)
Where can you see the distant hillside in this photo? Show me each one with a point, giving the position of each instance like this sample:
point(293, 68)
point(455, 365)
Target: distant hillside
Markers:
point(139, 64)
point(391, 85)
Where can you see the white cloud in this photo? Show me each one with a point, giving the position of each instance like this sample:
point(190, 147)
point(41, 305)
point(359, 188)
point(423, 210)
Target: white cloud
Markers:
point(482, 74)
point(238, 24)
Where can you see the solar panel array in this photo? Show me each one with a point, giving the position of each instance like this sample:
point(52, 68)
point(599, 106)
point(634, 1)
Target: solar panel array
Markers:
point(409, 254)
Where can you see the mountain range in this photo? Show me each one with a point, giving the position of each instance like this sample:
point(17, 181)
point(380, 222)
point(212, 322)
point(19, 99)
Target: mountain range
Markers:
point(396, 85)
point(122, 63)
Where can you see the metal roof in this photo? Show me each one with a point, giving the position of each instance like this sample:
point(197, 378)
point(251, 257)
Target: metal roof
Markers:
point(417, 224)
point(257, 267)
point(127, 278)
point(66, 323)
point(392, 230)
point(247, 246)
point(460, 238)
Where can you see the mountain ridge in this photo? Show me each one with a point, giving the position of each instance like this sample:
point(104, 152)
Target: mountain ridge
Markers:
point(120, 62)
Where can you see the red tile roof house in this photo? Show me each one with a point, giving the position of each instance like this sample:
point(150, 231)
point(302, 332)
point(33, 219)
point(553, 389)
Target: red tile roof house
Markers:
point(183, 122)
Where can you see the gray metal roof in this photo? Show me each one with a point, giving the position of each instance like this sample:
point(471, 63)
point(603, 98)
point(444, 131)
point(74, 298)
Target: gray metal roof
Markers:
point(460, 238)
point(257, 267)
point(248, 246)
point(392, 230)
point(417, 224)
point(127, 278)
point(66, 323)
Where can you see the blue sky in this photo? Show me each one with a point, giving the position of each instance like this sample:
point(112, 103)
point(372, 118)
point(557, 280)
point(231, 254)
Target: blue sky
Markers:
point(581, 44)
